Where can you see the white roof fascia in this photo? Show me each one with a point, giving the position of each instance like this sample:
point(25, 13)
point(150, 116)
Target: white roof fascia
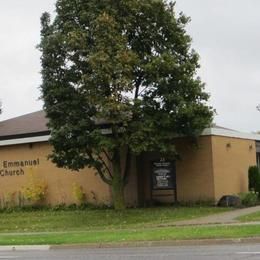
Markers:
point(27, 140)
point(230, 133)
point(206, 132)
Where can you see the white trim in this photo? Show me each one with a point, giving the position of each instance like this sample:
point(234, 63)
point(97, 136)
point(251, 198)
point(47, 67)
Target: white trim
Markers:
point(106, 131)
point(208, 131)
point(230, 133)
point(27, 140)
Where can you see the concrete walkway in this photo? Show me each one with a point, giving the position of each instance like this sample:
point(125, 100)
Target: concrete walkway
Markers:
point(219, 218)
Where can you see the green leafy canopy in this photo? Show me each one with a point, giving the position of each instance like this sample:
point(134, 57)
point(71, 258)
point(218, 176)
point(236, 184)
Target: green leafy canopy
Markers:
point(126, 65)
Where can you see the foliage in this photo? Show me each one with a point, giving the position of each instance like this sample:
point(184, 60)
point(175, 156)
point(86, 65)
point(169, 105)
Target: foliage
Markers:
point(35, 190)
point(78, 193)
point(249, 199)
point(254, 179)
point(49, 208)
point(126, 66)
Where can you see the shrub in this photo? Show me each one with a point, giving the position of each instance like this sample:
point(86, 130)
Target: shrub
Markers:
point(254, 179)
point(249, 199)
point(78, 193)
point(35, 191)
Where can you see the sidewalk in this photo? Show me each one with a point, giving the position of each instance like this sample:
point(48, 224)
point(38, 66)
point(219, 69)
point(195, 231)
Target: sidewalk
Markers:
point(220, 218)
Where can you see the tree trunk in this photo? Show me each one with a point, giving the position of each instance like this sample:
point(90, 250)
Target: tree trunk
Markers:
point(118, 186)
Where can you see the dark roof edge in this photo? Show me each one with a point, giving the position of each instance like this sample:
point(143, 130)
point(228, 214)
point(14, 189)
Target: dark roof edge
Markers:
point(19, 136)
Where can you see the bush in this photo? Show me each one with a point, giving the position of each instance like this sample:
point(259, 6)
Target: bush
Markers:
point(35, 190)
point(249, 199)
point(78, 193)
point(254, 179)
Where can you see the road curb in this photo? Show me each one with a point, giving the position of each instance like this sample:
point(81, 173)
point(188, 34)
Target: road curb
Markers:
point(25, 248)
point(198, 242)
point(167, 243)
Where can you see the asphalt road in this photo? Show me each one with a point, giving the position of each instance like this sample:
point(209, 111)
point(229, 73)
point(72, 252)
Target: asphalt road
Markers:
point(218, 252)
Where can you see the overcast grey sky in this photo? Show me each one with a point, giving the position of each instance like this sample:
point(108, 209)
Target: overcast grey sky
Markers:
point(226, 34)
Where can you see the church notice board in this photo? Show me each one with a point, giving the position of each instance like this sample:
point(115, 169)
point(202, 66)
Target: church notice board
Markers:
point(164, 176)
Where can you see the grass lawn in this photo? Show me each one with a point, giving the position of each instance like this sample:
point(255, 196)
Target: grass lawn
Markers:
point(251, 217)
point(90, 219)
point(102, 226)
point(126, 235)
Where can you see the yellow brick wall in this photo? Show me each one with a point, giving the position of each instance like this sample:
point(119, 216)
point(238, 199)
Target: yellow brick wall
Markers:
point(231, 159)
point(195, 180)
point(204, 172)
point(59, 181)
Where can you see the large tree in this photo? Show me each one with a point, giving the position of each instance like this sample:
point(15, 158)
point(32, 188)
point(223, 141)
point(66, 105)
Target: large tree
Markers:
point(125, 64)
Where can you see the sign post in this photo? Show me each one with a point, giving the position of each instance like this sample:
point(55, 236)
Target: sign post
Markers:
point(164, 176)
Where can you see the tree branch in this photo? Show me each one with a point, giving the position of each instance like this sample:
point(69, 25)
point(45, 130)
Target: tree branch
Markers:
point(143, 89)
point(99, 170)
point(137, 86)
point(103, 177)
point(106, 167)
point(107, 155)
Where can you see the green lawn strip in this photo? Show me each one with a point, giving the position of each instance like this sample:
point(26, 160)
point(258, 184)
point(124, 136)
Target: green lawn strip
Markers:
point(45, 220)
point(159, 234)
point(251, 217)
